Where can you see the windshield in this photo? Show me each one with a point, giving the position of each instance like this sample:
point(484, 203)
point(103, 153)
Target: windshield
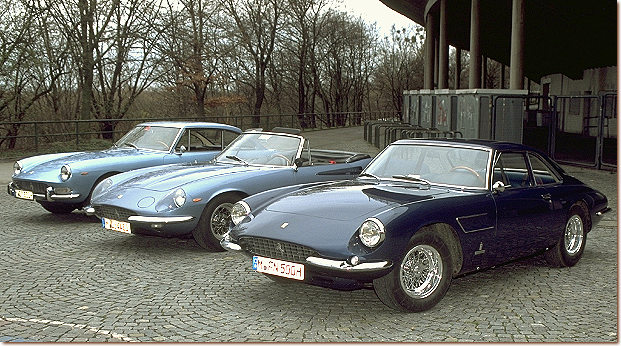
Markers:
point(436, 164)
point(263, 149)
point(149, 137)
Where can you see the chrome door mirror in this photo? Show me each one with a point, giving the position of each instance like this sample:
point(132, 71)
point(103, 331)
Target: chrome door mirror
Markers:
point(498, 186)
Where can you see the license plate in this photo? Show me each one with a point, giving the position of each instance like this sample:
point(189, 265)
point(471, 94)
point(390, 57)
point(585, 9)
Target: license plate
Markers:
point(115, 225)
point(24, 194)
point(277, 267)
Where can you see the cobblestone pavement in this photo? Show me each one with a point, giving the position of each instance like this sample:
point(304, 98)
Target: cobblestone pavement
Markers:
point(65, 279)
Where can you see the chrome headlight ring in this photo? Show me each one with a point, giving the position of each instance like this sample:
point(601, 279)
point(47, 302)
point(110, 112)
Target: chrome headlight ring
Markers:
point(17, 167)
point(239, 212)
point(65, 172)
point(372, 232)
point(179, 197)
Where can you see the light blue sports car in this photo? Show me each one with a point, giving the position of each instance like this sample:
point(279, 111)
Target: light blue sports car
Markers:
point(196, 198)
point(64, 182)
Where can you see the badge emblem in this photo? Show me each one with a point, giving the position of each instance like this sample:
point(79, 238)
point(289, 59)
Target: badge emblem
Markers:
point(284, 225)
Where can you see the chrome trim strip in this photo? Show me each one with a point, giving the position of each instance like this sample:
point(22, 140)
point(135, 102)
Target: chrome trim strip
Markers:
point(469, 217)
point(346, 267)
point(160, 219)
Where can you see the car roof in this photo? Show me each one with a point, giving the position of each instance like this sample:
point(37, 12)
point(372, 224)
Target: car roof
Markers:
point(191, 124)
point(475, 143)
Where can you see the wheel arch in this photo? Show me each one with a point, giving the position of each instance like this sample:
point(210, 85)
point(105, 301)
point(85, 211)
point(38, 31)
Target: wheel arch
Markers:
point(448, 234)
point(585, 207)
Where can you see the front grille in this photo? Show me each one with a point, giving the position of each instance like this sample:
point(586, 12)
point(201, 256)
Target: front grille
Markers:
point(276, 249)
point(115, 213)
point(34, 186)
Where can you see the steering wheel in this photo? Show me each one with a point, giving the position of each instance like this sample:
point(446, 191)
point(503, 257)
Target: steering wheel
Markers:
point(469, 170)
point(164, 144)
point(281, 157)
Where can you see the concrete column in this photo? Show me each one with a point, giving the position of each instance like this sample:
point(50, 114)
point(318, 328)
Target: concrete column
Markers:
point(430, 46)
point(483, 72)
point(474, 80)
point(443, 53)
point(457, 68)
point(516, 70)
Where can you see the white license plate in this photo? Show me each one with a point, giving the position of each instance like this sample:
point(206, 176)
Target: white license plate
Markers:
point(24, 194)
point(115, 225)
point(277, 267)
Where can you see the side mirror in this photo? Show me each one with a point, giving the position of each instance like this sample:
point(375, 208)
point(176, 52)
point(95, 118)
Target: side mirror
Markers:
point(300, 161)
point(498, 186)
point(182, 149)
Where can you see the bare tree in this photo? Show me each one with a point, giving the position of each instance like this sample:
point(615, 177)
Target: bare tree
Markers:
point(128, 65)
point(256, 23)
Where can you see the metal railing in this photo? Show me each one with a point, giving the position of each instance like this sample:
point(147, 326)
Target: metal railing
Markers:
point(32, 135)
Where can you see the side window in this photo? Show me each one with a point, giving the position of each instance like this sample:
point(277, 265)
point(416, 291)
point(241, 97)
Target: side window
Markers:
point(228, 137)
point(541, 172)
point(183, 141)
point(511, 169)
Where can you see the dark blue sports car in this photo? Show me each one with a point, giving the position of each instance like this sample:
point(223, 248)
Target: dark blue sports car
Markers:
point(63, 182)
point(196, 198)
point(421, 213)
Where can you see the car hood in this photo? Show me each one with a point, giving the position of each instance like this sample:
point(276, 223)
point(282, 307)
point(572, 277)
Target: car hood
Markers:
point(169, 177)
point(350, 200)
point(53, 162)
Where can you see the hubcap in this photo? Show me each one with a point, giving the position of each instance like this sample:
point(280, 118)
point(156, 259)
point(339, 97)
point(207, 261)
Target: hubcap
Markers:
point(421, 271)
point(220, 219)
point(574, 235)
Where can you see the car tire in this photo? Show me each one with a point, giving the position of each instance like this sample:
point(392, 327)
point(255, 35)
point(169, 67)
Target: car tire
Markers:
point(214, 222)
point(569, 248)
point(58, 207)
point(427, 258)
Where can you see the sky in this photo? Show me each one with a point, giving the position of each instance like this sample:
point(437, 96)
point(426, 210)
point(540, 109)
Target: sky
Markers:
point(374, 11)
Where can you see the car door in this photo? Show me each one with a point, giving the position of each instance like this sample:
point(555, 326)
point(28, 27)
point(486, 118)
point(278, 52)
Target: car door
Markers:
point(523, 208)
point(546, 178)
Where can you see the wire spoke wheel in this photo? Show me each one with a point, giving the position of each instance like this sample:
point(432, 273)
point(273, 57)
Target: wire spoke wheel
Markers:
point(220, 219)
point(421, 271)
point(574, 234)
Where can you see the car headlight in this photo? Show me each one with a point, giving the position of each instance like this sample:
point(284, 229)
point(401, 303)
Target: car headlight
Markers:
point(372, 232)
point(17, 168)
point(239, 212)
point(65, 172)
point(102, 186)
point(179, 198)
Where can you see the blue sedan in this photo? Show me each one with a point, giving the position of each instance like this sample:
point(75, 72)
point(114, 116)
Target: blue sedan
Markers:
point(421, 213)
point(63, 182)
point(196, 198)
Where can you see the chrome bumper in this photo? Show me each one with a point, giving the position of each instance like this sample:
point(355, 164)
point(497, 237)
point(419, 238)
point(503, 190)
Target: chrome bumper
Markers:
point(347, 267)
point(49, 195)
point(227, 244)
point(160, 219)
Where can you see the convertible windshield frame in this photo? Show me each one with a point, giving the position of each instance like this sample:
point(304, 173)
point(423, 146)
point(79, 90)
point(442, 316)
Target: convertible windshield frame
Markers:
point(379, 167)
point(236, 153)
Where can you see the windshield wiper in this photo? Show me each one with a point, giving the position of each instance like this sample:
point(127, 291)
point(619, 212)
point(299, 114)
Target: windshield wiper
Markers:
point(411, 177)
point(235, 158)
point(129, 144)
point(365, 174)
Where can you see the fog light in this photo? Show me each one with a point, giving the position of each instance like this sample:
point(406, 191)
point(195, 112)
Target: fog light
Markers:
point(353, 260)
point(62, 190)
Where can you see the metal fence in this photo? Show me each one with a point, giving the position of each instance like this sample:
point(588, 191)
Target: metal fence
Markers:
point(33, 135)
